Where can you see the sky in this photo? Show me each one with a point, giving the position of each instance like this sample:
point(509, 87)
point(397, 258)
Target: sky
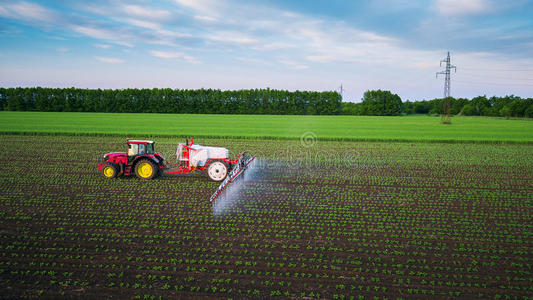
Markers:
point(317, 45)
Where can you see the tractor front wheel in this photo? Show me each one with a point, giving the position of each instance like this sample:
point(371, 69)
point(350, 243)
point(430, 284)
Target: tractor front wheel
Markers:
point(145, 169)
point(110, 170)
point(217, 170)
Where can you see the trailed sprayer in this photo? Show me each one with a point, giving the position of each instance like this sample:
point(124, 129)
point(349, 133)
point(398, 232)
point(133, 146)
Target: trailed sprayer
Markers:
point(142, 160)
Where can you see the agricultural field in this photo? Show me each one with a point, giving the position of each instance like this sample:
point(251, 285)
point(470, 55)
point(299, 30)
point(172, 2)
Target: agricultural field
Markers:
point(331, 219)
point(353, 128)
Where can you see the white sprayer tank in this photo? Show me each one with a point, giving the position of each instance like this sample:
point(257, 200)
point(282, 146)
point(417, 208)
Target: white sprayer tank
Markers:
point(199, 156)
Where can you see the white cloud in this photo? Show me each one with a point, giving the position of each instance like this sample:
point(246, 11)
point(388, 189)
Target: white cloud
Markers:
point(97, 33)
point(320, 58)
point(146, 12)
point(166, 55)
point(4, 12)
point(425, 65)
point(174, 55)
point(143, 24)
point(298, 36)
point(293, 64)
point(254, 60)
point(103, 46)
point(118, 11)
point(103, 34)
point(163, 33)
point(28, 11)
point(109, 60)
point(207, 19)
point(461, 7)
point(271, 46)
point(201, 5)
point(231, 37)
point(371, 36)
point(135, 24)
point(481, 54)
point(122, 43)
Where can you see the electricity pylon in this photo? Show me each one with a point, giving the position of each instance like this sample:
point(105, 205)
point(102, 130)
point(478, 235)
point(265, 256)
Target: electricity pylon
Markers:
point(445, 118)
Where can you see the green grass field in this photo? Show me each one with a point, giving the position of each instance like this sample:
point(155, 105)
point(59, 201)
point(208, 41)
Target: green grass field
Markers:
point(406, 128)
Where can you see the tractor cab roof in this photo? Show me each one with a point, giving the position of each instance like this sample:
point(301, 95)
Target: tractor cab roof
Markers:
point(139, 142)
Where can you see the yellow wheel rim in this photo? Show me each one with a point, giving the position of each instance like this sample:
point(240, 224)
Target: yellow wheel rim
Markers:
point(145, 170)
point(109, 172)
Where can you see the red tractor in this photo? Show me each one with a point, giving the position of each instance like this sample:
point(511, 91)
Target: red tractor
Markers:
point(142, 160)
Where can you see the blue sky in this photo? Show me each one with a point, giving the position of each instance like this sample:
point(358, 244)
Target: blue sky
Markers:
point(394, 45)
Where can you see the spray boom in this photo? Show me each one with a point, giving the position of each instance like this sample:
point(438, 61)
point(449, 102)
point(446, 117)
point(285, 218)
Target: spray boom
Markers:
point(243, 163)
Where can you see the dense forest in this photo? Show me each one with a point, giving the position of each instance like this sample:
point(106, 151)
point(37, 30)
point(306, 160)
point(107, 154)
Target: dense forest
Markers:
point(203, 101)
point(257, 101)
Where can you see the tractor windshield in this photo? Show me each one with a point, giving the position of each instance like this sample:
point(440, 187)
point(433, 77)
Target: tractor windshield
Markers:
point(149, 148)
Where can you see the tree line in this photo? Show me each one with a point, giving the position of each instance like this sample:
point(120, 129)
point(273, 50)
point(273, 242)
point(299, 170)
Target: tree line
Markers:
point(202, 101)
point(508, 106)
point(254, 101)
point(384, 103)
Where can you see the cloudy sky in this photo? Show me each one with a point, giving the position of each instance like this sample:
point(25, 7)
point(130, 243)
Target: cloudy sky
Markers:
point(318, 45)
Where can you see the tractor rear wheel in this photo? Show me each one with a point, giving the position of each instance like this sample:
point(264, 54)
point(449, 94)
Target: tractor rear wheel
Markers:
point(110, 170)
point(145, 169)
point(217, 170)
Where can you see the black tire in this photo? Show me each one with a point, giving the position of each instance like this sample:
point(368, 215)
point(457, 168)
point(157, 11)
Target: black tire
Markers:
point(217, 170)
point(141, 169)
point(110, 170)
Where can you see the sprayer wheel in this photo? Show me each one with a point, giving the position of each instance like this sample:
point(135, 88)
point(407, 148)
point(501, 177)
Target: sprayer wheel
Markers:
point(217, 170)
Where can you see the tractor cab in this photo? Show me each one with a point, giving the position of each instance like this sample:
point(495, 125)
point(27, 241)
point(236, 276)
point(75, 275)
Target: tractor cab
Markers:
point(138, 147)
